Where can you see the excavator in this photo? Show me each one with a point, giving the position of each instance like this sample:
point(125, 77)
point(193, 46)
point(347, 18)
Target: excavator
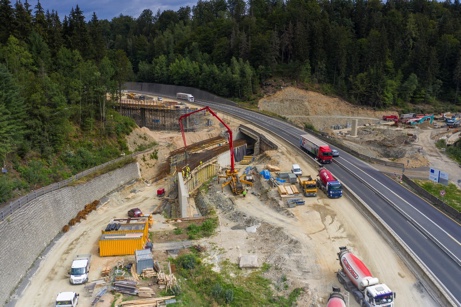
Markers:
point(231, 175)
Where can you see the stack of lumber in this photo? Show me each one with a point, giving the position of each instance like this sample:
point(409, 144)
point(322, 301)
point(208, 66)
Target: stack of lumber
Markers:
point(134, 274)
point(147, 302)
point(273, 168)
point(282, 190)
point(126, 287)
point(246, 160)
point(148, 273)
point(287, 190)
point(294, 189)
point(166, 281)
point(145, 292)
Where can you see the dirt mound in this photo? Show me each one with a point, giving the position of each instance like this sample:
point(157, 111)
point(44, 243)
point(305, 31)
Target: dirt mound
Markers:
point(322, 111)
point(330, 114)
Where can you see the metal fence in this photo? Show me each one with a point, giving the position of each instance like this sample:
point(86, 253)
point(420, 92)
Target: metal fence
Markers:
point(24, 200)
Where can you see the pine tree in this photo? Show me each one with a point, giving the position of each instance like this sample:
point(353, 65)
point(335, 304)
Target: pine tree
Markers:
point(12, 114)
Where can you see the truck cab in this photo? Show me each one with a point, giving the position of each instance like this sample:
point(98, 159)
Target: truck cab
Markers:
point(328, 183)
point(67, 299)
point(296, 169)
point(379, 295)
point(308, 186)
point(334, 189)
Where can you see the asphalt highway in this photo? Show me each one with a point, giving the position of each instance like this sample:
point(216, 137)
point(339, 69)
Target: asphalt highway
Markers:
point(433, 237)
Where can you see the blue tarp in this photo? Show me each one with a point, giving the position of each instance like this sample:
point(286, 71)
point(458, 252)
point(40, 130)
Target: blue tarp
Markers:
point(266, 174)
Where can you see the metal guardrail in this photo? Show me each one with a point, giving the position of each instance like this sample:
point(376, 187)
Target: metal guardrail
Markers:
point(453, 213)
point(24, 200)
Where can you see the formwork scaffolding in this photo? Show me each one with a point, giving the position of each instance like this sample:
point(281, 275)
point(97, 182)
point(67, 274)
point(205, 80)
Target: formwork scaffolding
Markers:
point(200, 151)
point(162, 116)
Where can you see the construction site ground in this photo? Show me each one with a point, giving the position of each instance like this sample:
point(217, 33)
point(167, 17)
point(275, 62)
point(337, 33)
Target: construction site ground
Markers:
point(299, 244)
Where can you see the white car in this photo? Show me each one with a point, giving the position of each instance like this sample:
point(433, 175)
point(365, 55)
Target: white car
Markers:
point(335, 153)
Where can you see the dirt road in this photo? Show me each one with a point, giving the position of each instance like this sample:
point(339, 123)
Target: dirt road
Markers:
point(437, 159)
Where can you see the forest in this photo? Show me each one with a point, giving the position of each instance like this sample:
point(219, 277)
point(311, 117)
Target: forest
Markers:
point(61, 75)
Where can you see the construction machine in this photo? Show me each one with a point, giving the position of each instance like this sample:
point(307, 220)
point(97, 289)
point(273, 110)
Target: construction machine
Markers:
point(131, 95)
point(308, 185)
point(231, 175)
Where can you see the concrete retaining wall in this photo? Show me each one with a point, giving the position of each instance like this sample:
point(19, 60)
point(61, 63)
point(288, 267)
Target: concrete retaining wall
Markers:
point(30, 229)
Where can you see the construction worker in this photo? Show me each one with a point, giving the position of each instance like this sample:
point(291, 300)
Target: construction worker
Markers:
point(149, 245)
point(244, 193)
point(183, 174)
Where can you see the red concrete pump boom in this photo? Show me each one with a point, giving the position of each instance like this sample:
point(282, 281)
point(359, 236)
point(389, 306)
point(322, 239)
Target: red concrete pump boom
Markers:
point(231, 145)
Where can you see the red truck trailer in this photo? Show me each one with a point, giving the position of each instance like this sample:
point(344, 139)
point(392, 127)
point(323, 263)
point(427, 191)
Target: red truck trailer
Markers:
point(319, 149)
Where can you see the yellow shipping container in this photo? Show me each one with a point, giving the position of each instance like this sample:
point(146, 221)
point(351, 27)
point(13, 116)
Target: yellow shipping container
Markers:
point(121, 244)
point(131, 225)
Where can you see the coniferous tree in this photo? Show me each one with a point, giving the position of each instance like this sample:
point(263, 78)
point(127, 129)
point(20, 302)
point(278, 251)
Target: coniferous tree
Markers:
point(39, 21)
point(12, 114)
point(23, 20)
point(7, 20)
point(97, 42)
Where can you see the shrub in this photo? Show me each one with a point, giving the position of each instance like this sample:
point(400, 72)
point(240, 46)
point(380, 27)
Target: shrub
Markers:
point(188, 261)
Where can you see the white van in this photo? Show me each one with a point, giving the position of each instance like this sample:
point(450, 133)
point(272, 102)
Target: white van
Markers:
point(295, 169)
point(67, 299)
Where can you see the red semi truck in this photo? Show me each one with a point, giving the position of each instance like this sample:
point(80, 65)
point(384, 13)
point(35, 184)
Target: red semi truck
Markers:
point(336, 299)
point(329, 184)
point(357, 279)
point(319, 149)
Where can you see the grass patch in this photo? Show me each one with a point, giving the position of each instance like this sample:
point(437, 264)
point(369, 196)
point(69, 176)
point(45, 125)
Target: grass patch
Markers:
point(309, 127)
point(452, 193)
point(201, 286)
point(206, 229)
point(143, 147)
